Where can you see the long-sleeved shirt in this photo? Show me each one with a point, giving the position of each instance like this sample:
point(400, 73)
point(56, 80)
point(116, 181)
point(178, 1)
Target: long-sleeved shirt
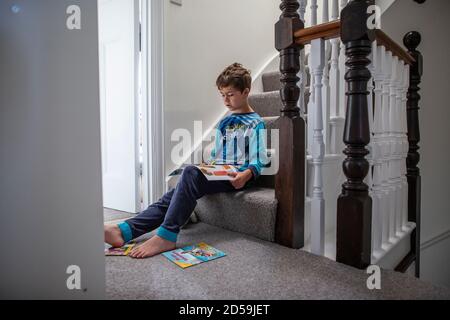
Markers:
point(240, 140)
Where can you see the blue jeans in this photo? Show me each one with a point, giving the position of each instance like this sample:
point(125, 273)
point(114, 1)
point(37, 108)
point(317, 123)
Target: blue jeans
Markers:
point(175, 207)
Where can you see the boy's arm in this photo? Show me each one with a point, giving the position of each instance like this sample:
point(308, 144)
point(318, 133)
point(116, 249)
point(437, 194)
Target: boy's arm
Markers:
point(258, 150)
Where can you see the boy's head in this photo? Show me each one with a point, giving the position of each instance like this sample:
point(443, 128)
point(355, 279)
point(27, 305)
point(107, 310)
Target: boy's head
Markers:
point(234, 84)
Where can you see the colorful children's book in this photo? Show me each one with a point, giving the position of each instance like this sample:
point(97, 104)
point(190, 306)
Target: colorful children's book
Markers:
point(217, 172)
point(123, 251)
point(191, 255)
point(212, 172)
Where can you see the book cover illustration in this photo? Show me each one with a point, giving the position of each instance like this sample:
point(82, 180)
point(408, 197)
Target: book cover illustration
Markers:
point(212, 172)
point(122, 251)
point(192, 255)
point(217, 172)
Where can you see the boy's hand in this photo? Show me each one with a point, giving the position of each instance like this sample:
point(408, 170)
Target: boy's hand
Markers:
point(241, 178)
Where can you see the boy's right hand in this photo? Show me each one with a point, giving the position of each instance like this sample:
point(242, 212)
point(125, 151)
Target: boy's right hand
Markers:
point(240, 178)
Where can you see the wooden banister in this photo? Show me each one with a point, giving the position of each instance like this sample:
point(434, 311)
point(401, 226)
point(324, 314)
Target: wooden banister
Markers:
point(331, 30)
point(290, 179)
point(354, 208)
point(412, 40)
point(384, 40)
point(325, 31)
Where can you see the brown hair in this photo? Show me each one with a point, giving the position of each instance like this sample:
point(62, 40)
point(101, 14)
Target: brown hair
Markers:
point(236, 76)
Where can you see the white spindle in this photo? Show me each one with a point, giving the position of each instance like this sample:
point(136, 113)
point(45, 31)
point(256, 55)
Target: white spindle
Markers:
point(314, 8)
point(370, 159)
point(302, 10)
point(318, 151)
point(334, 10)
point(335, 77)
point(399, 158)
point(378, 194)
point(311, 105)
point(385, 205)
point(326, 83)
point(325, 12)
point(392, 142)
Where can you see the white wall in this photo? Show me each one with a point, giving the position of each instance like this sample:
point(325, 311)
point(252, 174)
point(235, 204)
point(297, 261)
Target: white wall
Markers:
point(431, 20)
point(202, 37)
point(50, 165)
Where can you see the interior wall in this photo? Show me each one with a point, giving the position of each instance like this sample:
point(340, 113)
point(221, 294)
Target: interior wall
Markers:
point(201, 38)
point(50, 162)
point(430, 19)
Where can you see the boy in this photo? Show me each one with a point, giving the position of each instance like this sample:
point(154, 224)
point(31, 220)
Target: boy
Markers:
point(176, 206)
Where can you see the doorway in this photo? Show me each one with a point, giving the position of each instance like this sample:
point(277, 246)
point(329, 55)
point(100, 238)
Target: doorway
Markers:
point(130, 55)
point(119, 55)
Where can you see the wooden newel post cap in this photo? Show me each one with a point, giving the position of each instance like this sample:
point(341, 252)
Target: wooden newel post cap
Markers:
point(412, 41)
point(284, 32)
point(355, 20)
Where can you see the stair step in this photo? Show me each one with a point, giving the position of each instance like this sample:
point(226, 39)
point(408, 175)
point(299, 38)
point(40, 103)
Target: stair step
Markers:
point(266, 104)
point(252, 212)
point(271, 81)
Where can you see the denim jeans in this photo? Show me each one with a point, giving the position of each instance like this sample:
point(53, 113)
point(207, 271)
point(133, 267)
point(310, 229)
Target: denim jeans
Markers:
point(175, 207)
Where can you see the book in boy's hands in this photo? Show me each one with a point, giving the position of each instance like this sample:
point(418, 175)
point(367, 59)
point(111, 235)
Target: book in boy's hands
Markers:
point(212, 172)
point(122, 251)
point(217, 172)
point(191, 255)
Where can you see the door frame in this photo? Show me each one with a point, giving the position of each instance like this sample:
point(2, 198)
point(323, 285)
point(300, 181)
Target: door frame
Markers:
point(152, 99)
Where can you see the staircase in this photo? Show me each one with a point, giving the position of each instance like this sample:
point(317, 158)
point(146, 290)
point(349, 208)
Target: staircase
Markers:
point(304, 205)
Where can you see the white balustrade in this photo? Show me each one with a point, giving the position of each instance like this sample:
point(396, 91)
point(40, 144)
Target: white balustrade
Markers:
point(317, 58)
point(326, 111)
point(378, 200)
point(326, 82)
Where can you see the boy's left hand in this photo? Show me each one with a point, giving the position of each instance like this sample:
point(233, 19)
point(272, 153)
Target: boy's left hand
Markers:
point(240, 178)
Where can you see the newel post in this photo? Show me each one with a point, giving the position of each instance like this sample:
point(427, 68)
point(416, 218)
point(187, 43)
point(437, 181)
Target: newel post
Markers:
point(354, 210)
point(412, 41)
point(290, 180)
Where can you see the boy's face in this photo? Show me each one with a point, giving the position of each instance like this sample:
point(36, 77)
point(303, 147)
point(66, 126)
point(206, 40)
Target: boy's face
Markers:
point(233, 98)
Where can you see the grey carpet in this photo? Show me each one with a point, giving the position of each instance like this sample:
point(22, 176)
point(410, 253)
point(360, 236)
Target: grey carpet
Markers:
point(112, 215)
point(266, 104)
point(252, 269)
point(271, 81)
point(252, 212)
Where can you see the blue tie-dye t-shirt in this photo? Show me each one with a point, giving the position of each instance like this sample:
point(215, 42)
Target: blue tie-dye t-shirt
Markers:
point(240, 140)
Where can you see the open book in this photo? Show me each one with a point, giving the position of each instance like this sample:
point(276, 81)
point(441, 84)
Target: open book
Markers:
point(191, 255)
point(217, 172)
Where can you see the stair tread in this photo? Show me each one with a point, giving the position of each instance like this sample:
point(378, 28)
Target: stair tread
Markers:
point(271, 81)
point(266, 104)
point(252, 211)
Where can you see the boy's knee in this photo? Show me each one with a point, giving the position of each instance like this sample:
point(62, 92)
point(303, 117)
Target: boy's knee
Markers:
point(191, 173)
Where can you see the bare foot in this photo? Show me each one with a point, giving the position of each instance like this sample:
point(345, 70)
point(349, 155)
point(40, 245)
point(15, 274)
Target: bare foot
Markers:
point(113, 235)
point(152, 247)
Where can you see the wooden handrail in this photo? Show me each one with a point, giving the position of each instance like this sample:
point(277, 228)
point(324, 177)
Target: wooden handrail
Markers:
point(327, 30)
point(332, 30)
point(384, 40)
